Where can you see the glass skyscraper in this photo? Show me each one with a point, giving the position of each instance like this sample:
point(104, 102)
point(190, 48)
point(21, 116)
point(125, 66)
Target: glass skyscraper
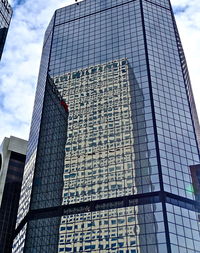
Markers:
point(5, 17)
point(113, 137)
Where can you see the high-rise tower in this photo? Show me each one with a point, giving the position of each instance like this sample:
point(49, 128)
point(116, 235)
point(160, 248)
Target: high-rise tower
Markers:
point(112, 173)
point(5, 17)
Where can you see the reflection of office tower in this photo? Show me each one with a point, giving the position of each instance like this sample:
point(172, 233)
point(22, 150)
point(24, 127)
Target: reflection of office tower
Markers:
point(12, 161)
point(124, 184)
point(5, 17)
point(99, 98)
point(99, 161)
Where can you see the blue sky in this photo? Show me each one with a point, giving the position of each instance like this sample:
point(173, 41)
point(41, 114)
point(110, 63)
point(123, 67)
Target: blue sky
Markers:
point(20, 62)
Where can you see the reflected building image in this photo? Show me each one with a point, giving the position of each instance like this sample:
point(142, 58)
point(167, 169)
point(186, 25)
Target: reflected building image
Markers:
point(5, 17)
point(113, 135)
point(100, 157)
point(99, 161)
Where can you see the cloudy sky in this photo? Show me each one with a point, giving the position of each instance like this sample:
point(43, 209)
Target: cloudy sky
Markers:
point(20, 62)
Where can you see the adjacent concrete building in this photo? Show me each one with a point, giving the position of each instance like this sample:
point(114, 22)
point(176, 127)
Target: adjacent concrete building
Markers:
point(12, 161)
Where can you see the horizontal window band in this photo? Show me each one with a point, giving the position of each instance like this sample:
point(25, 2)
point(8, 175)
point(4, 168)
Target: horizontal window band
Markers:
point(106, 204)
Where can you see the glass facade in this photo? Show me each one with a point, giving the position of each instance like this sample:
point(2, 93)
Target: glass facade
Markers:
point(46, 187)
point(176, 137)
point(131, 229)
point(119, 167)
point(183, 229)
point(5, 17)
point(35, 128)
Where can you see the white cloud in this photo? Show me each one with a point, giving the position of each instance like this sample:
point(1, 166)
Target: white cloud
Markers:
point(21, 58)
point(20, 64)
